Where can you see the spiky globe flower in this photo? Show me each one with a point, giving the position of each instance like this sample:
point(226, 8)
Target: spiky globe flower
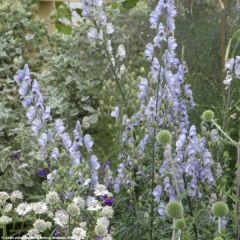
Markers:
point(174, 209)
point(164, 137)
point(208, 115)
point(218, 238)
point(180, 223)
point(220, 209)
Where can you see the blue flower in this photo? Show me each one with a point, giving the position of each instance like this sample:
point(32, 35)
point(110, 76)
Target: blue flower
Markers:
point(67, 142)
point(59, 126)
point(115, 112)
point(88, 142)
point(43, 173)
point(95, 165)
point(157, 193)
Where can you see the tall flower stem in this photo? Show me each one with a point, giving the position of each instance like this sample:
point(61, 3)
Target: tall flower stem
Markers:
point(174, 230)
point(4, 231)
point(231, 141)
point(237, 145)
point(174, 172)
point(191, 210)
point(219, 225)
point(153, 159)
point(113, 69)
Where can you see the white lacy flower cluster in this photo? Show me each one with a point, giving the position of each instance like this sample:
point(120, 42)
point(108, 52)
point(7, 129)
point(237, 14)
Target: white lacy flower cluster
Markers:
point(52, 213)
point(93, 204)
point(6, 204)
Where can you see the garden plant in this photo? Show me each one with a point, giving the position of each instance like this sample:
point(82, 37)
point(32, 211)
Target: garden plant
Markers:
point(101, 135)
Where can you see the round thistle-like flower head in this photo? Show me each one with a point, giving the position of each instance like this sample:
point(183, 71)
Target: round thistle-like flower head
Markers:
point(220, 209)
point(164, 137)
point(180, 223)
point(174, 209)
point(208, 115)
point(218, 238)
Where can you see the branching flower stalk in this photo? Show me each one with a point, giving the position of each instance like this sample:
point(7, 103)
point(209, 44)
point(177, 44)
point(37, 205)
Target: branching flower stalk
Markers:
point(232, 68)
point(164, 104)
point(48, 138)
point(237, 145)
point(94, 12)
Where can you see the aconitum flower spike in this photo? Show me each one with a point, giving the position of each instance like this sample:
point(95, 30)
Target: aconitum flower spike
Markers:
point(88, 142)
point(39, 116)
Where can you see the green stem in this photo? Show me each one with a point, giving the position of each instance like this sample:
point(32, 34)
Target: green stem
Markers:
point(179, 234)
point(231, 141)
point(219, 225)
point(21, 227)
point(191, 211)
point(153, 160)
point(69, 226)
point(117, 79)
point(4, 232)
point(173, 169)
point(174, 231)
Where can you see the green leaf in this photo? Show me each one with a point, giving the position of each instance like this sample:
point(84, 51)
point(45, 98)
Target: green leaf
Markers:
point(93, 118)
point(130, 3)
point(89, 109)
point(3, 165)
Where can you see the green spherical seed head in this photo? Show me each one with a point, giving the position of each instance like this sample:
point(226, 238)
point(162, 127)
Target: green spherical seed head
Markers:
point(208, 115)
point(218, 238)
point(174, 209)
point(180, 223)
point(220, 209)
point(164, 137)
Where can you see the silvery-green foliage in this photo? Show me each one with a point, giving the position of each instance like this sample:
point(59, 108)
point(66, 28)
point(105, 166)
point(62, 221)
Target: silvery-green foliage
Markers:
point(73, 77)
point(21, 39)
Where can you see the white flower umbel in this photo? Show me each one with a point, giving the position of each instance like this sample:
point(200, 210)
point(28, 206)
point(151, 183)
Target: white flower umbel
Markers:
point(101, 230)
point(93, 204)
point(103, 221)
point(78, 233)
point(40, 225)
point(107, 211)
point(73, 210)
point(61, 218)
point(108, 237)
point(4, 220)
point(16, 195)
point(100, 190)
point(79, 202)
point(39, 207)
point(32, 232)
point(8, 207)
point(52, 198)
point(3, 197)
point(23, 209)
